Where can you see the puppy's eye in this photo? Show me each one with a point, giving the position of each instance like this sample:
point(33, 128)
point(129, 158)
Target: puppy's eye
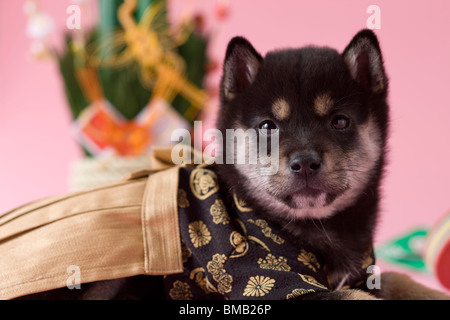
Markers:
point(340, 122)
point(269, 126)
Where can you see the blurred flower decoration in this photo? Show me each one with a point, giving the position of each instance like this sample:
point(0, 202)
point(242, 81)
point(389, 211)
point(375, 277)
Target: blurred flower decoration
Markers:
point(222, 9)
point(39, 27)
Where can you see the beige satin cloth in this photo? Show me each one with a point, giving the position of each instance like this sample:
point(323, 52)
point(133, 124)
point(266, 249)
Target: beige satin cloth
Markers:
point(121, 230)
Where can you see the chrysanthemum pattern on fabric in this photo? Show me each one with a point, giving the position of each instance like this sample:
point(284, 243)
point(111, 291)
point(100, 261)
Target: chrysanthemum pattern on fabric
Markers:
point(229, 252)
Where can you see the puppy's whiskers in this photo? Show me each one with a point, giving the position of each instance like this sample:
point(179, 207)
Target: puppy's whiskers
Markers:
point(322, 229)
point(285, 226)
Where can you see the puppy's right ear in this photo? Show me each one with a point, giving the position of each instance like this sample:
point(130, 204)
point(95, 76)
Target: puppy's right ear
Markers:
point(241, 65)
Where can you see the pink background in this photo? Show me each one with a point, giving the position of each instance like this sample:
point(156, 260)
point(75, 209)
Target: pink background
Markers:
point(36, 147)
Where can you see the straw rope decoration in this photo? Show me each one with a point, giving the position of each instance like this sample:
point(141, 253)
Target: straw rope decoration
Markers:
point(151, 43)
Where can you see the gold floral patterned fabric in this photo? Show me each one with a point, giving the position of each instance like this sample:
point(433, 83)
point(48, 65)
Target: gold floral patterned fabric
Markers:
point(229, 252)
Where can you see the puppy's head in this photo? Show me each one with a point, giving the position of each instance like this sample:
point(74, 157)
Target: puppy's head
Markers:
point(328, 113)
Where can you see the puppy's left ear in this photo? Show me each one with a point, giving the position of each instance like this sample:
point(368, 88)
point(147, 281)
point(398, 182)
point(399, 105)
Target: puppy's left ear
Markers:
point(240, 68)
point(365, 62)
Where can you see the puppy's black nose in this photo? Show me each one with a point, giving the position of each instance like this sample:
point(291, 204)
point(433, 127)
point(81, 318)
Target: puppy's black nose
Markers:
point(308, 165)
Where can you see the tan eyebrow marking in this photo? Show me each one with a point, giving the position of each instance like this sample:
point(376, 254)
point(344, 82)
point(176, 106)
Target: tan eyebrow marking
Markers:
point(323, 103)
point(281, 109)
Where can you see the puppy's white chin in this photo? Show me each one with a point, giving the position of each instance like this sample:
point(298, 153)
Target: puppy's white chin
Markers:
point(317, 212)
point(312, 213)
point(300, 201)
point(322, 206)
point(300, 206)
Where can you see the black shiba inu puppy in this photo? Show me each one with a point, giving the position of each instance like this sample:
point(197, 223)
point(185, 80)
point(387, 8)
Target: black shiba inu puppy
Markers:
point(330, 115)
